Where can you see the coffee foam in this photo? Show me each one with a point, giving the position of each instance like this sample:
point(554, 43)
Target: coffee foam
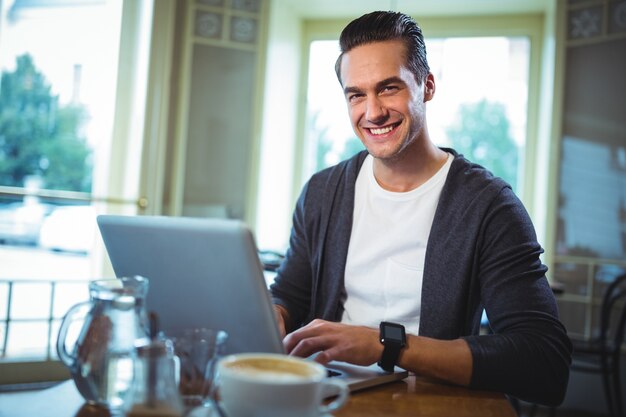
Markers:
point(273, 369)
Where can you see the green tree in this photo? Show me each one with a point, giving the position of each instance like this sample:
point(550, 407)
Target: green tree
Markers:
point(352, 146)
point(325, 145)
point(39, 137)
point(481, 132)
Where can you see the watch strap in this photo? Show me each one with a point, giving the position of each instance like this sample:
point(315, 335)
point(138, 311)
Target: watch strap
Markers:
point(390, 355)
point(393, 338)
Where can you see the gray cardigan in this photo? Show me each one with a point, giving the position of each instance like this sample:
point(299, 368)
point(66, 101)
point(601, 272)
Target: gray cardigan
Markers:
point(482, 253)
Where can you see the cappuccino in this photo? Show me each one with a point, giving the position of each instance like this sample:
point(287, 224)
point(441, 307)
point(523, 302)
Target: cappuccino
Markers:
point(278, 370)
point(276, 385)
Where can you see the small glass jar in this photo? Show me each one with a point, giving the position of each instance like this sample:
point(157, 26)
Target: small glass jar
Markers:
point(154, 391)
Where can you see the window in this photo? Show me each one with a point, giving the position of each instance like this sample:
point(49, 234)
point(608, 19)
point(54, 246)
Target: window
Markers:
point(59, 98)
point(479, 107)
point(590, 212)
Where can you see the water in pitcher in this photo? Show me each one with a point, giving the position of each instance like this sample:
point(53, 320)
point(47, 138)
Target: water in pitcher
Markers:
point(101, 359)
point(109, 382)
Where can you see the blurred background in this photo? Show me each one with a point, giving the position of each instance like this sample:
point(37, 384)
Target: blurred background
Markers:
point(224, 108)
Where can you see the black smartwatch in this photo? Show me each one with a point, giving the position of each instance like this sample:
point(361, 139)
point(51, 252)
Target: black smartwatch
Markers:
point(393, 338)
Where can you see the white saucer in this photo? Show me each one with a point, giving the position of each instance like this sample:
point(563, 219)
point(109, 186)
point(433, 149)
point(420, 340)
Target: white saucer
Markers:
point(202, 412)
point(210, 412)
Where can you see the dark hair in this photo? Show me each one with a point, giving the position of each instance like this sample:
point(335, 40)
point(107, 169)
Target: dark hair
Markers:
point(385, 26)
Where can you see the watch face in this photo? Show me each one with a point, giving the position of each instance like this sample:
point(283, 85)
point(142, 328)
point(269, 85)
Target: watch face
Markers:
point(392, 332)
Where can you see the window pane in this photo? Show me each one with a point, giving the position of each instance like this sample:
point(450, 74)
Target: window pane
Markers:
point(573, 316)
point(54, 335)
point(328, 136)
point(479, 109)
point(57, 95)
point(59, 65)
point(574, 277)
point(592, 199)
point(3, 333)
point(605, 275)
point(28, 339)
point(30, 301)
point(67, 294)
point(4, 298)
point(592, 191)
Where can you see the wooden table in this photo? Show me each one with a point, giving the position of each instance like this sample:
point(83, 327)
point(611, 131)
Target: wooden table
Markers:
point(422, 397)
point(413, 397)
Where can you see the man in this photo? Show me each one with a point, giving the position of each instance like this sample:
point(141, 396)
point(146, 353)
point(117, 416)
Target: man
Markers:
point(415, 235)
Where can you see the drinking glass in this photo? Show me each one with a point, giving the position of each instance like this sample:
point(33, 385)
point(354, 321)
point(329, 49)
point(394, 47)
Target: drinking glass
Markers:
point(198, 350)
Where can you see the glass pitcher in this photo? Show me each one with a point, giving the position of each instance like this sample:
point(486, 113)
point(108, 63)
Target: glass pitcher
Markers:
point(101, 360)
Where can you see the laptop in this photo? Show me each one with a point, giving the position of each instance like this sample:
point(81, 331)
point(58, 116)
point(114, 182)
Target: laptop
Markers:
point(207, 273)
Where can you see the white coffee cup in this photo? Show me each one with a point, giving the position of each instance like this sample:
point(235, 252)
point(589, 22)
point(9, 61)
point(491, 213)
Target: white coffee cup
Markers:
point(275, 385)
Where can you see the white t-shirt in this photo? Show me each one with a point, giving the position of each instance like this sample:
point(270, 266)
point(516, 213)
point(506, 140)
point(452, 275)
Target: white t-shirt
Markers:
point(385, 263)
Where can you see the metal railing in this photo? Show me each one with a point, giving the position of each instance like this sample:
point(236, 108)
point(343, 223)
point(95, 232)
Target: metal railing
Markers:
point(44, 295)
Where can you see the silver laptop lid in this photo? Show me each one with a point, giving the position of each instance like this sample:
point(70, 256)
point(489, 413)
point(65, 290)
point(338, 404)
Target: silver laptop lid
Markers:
point(202, 273)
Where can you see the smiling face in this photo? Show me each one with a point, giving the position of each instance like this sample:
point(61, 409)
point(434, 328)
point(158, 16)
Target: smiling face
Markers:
point(385, 102)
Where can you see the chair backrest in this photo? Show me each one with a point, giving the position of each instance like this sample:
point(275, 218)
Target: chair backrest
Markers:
point(612, 323)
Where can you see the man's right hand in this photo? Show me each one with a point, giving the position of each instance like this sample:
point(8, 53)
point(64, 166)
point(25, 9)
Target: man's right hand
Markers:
point(281, 319)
